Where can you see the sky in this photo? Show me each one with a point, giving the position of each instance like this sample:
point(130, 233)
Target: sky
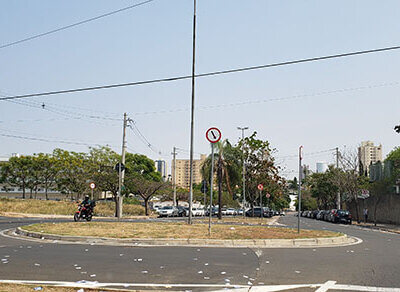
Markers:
point(320, 105)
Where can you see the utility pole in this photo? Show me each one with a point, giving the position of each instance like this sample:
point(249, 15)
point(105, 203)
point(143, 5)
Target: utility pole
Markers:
point(244, 171)
point(299, 192)
point(121, 171)
point(174, 173)
point(338, 203)
point(192, 114)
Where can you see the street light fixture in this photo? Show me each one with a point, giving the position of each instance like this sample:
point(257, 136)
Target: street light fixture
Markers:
point(244, 171)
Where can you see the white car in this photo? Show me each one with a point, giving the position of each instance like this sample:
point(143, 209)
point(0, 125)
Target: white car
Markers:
point(196, 212)
point(168, 211)
point(231, 211)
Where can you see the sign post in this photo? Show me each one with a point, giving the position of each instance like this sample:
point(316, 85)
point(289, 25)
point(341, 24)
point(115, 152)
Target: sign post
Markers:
point(268, 195)
point(92, 187)
point(213, 135)
point(261, 187)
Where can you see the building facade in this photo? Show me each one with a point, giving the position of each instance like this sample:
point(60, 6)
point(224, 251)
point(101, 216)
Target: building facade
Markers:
point(368, 154)
point(161, 167)
point(183, 171)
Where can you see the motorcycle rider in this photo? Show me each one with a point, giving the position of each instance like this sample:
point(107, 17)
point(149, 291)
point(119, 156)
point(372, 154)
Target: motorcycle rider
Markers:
point(86, 203)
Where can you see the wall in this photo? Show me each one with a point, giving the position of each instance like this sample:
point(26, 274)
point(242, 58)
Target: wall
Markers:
point(388, 209)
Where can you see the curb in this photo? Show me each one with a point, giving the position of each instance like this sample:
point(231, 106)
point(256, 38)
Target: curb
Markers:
point(240, 243)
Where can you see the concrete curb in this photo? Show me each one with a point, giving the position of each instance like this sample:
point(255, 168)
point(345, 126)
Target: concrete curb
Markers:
point(242, 243)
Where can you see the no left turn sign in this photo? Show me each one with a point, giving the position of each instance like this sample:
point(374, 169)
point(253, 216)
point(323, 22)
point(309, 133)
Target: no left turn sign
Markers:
point(213, 135)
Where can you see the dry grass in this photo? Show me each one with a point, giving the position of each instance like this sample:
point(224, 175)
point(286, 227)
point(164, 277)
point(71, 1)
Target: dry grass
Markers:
point(173, 230)
point(239, 220)
point(31, 206)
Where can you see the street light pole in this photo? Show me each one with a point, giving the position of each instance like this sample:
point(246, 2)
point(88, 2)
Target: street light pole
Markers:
point(299, 192)
point(192, 114)
point(244, 170)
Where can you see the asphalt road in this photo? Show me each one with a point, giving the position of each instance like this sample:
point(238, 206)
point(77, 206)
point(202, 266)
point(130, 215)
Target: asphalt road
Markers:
point(375, 262)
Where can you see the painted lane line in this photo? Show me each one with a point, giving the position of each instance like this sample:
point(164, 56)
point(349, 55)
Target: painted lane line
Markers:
point(365, 288)
point(88, 284)
point(326, 286)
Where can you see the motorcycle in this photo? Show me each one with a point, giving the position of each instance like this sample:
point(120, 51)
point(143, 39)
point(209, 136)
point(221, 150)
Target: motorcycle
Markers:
point(85, 212)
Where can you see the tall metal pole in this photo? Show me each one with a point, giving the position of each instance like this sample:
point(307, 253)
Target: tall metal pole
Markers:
point(299, 192)
point(338, 203)
point(174, 173)
point(192, 114)
point(211, 188)
point(244, 171)
point(121, 171)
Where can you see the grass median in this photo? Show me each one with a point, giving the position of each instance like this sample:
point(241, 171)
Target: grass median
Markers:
point(173, 231)
point(32, 206)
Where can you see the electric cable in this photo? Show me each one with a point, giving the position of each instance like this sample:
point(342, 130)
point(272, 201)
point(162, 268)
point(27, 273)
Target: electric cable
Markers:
point(222, 72)
point(73, 25)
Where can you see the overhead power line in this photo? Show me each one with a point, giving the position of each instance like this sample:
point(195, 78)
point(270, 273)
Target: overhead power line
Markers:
point(73, 25)
point(51, 141)
point(170, 79)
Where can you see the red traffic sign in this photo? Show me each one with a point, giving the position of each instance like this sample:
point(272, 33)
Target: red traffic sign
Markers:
point(268, 195)
point(92, 185)
point(260, 187)
point(213, 135)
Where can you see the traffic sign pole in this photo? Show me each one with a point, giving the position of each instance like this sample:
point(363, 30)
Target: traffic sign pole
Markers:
point(213, 135)
point(261, 206)
point(211, 188)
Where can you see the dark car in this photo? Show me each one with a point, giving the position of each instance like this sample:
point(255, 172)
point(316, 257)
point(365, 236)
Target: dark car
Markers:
point(326, 214)
point(257, 212)
point(314, 214)
point(342, 216)
point(181, 211)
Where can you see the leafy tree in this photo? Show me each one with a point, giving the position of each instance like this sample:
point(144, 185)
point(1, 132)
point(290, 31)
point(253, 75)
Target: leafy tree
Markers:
point(73, 174)
point(261, 169)
point(16, 172)
point(227, 167)
point(47, 169)
point(145, 188)
point(323, 189)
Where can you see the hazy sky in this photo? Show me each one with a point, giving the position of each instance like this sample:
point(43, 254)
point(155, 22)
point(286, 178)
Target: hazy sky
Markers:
point(320, 105)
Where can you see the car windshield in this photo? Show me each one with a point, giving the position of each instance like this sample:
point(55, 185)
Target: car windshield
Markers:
point(167, 208)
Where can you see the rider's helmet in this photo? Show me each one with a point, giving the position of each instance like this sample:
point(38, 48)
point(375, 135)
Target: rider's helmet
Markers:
point(86, 197)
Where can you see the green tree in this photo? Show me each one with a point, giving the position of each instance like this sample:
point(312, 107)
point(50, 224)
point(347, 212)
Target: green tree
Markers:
point(47, 169)
point(261, 169)
point(227, 167)
point(323, 188)
point(16, 172)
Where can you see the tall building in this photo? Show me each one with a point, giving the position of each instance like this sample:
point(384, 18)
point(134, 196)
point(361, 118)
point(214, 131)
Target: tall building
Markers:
point(183, 171)
point(161, 167)
point(368, 154)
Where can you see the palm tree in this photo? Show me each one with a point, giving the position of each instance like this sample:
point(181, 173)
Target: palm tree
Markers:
point(227, 164)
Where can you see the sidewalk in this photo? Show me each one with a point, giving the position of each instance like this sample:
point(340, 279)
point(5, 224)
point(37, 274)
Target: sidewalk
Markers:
point(379, 226)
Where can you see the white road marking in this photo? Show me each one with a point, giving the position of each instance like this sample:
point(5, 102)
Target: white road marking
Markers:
point(326, 286)
point(265, 288)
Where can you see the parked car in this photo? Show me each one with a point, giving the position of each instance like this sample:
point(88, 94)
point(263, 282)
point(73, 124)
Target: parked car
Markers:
point(326, 215)
point(342, 216)
point(214, 211)
point(257, 212)
point(320, 215)
point(314, 214)
point(331, 215)
point(239, 212)
point(168, 211)
point(231, 211)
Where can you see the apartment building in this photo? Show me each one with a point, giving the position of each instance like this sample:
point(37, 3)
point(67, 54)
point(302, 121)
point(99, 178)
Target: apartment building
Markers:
point(368, 154)
point(183, 171)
